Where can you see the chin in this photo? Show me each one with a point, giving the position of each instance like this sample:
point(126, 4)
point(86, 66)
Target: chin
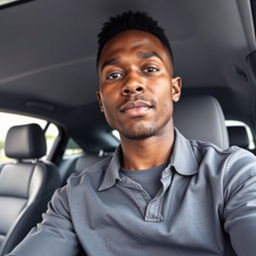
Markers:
point(140, 133)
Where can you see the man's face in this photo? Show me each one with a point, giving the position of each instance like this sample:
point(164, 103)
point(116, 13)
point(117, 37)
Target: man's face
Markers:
point(136, 85)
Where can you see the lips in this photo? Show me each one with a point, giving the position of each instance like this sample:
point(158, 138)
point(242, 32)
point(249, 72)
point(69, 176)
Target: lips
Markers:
point(138, 107)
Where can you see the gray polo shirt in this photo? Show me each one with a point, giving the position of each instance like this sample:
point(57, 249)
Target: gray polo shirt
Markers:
point(205, 206)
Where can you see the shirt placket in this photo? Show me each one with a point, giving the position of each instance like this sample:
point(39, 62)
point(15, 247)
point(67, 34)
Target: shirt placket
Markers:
point(154, 207)
point(150, 208)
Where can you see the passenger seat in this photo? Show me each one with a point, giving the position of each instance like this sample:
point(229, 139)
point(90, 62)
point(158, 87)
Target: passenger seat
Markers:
point(26, 185)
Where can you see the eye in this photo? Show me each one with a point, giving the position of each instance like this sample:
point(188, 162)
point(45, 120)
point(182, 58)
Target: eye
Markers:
point(114, 76)
point(150, 69)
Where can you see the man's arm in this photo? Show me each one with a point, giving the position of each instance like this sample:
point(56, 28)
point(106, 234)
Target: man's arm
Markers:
point(55, 235)
point(240, 208)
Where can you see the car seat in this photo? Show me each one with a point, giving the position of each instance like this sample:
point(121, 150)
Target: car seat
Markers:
point(201, 118)
point(25, 185)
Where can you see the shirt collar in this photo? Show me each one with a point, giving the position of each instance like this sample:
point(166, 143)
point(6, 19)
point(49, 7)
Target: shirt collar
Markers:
point(112, 172)
point(182, 159)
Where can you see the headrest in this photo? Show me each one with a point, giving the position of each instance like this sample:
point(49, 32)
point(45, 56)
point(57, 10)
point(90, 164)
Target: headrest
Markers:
point(238, 136)
point(201, 118)
point(25, 142)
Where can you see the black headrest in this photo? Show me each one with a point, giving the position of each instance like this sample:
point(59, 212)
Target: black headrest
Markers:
point(238, 136)
point(25, 142)
point(201, 118)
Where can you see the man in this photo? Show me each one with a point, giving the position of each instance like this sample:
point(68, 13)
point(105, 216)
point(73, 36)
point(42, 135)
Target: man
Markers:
point(159, 194)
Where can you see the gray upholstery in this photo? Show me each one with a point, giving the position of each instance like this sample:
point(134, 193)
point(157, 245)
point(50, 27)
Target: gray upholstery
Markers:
point(25, 186)
point(238, 136)
point(201, 118)
point(25, 142)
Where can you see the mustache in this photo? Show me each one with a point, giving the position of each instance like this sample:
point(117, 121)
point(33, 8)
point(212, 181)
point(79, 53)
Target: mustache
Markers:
point(137, 97)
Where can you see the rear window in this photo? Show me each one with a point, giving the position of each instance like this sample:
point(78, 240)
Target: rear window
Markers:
point(72, 148)
point(230, 123)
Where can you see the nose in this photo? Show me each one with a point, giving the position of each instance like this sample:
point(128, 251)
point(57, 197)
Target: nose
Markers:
point(133, 85)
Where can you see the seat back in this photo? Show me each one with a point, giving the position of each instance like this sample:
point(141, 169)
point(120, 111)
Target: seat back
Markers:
point(25, 185)
point(201, 118)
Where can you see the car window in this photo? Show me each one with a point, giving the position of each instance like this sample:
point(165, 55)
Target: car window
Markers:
point(72, 148)
point(7, 120)
point(230, 123)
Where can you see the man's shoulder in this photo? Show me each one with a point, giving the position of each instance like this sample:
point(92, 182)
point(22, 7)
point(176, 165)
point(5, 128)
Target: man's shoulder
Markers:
point(230, 160)
point(91, 173)
point(202, 147)
point(230, 153)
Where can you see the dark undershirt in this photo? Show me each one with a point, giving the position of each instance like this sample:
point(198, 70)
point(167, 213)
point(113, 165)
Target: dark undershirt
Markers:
point(149, 179)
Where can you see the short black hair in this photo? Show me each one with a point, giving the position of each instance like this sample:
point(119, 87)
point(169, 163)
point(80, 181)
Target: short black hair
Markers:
point(131, 20)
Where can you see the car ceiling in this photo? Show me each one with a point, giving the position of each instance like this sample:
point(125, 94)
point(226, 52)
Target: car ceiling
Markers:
point(48, 50)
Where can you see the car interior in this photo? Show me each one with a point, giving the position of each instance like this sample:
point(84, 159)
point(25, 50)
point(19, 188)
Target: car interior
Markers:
point(25, 185)
point(48, 71)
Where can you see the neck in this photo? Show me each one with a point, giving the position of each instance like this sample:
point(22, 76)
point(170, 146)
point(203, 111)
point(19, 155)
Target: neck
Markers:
point(147, 153)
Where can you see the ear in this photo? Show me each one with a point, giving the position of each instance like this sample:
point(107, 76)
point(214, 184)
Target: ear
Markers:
point(176, 88)
point(99, 100)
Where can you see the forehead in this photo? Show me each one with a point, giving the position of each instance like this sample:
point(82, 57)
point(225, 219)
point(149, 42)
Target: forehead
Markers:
point(132, 40)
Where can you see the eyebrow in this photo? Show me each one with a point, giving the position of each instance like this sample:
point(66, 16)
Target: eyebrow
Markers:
point(146, 55)
point(143, 55)
point(109, 62)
